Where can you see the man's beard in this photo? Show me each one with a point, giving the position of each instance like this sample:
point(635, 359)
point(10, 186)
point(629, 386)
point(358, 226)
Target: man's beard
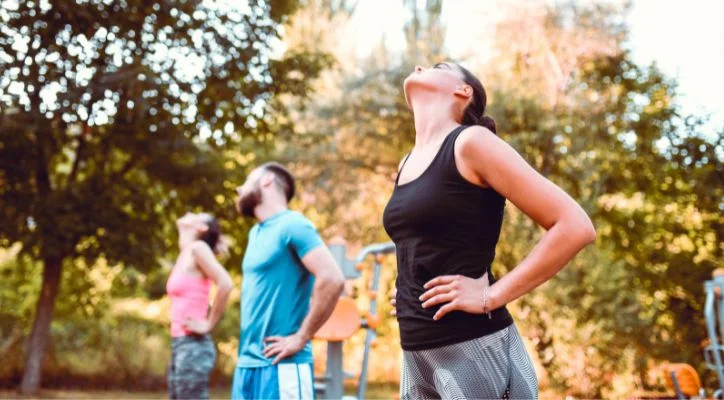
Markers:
point(248, 202)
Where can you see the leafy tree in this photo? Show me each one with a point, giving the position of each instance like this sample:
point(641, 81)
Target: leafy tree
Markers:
point(611, 134)
point(569, 98)
point(117, 115)
point(358, 128)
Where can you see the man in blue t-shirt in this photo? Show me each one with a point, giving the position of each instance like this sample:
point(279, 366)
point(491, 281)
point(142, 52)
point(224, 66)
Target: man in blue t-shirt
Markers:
point(285, 264)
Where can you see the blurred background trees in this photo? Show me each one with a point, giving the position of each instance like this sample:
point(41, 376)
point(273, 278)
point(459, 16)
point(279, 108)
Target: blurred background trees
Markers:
point(117, 117)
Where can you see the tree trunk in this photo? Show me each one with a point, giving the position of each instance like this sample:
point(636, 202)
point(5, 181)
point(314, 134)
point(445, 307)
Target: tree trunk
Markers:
point(41, 327)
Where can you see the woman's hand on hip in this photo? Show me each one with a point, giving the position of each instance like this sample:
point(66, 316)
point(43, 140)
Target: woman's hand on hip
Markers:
point(198, 326)
point(456, 293)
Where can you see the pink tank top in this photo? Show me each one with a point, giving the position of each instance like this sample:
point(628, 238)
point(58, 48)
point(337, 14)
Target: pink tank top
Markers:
point(189, 299)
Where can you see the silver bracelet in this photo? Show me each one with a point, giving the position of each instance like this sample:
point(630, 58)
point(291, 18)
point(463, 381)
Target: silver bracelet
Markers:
point(485, 302)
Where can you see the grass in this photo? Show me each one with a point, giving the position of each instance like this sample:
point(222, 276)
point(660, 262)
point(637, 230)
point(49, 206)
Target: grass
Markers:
point(374, 391)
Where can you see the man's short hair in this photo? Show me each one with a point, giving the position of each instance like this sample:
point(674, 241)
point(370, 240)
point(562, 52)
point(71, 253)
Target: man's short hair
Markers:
point(284, 177)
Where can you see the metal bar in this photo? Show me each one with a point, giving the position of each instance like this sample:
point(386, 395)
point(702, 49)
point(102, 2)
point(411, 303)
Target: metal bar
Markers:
point(348, 266)
point(378, 248)
point(677, 388)
point(335, 385)
point(371, 333)
point(719, 305)
point(711, 328)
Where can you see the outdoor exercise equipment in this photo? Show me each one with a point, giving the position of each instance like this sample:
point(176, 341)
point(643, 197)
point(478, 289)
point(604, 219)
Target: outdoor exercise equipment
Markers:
point(346, 320)
point(683, 378)
point(714, 314)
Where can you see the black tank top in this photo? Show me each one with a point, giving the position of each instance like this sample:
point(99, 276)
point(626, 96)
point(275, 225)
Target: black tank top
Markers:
point(442, 225)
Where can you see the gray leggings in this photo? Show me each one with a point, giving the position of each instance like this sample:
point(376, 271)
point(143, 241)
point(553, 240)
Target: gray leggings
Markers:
point(494, 366)
point(192, 358)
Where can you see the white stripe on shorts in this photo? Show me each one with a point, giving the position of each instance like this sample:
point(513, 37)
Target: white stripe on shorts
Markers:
point(296, 381)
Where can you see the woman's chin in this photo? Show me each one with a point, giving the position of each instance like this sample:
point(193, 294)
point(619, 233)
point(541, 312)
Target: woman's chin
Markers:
point(414, 79)
point(410, 85)
point(407, 100)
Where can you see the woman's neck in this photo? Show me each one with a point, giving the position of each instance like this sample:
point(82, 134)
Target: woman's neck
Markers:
point(432, 122)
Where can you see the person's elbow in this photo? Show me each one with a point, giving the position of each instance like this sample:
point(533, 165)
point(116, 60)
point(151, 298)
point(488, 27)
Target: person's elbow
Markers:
point(338, 283)
point(334, 280)
point(225, 285)
point(585, 231)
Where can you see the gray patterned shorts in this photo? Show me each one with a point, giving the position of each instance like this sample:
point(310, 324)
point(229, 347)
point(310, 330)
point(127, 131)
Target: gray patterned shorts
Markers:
point(494, 366)
point(192, 358)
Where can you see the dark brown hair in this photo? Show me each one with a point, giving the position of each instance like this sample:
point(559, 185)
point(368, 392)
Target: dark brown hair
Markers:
point(212, 236)
point(474, 113)
point(285, 178)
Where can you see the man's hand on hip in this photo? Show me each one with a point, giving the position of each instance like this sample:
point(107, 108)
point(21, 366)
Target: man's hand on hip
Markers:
point(283, 346)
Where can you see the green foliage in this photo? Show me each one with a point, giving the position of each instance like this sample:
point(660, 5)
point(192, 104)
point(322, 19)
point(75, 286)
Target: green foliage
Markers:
point(119, 116)
point(614, 144)
point(609, 133)
point(98, 171)
point(356, 133)
point(647, 178)
point(105, 135)
point(102, 337)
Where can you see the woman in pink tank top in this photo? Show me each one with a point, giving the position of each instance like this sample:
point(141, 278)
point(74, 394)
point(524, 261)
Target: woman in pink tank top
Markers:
point(193, 353)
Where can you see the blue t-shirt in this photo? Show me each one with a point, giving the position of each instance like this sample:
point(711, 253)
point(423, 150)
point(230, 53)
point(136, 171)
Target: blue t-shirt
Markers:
point(276, 288)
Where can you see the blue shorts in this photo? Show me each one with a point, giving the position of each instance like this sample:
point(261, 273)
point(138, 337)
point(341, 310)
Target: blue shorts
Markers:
point(281, 381)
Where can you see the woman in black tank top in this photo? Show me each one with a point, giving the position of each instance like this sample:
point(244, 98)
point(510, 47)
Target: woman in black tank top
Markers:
point(445, 217)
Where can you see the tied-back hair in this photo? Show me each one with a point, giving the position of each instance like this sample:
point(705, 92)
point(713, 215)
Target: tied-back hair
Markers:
point(212, 236)
point(474, 113)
